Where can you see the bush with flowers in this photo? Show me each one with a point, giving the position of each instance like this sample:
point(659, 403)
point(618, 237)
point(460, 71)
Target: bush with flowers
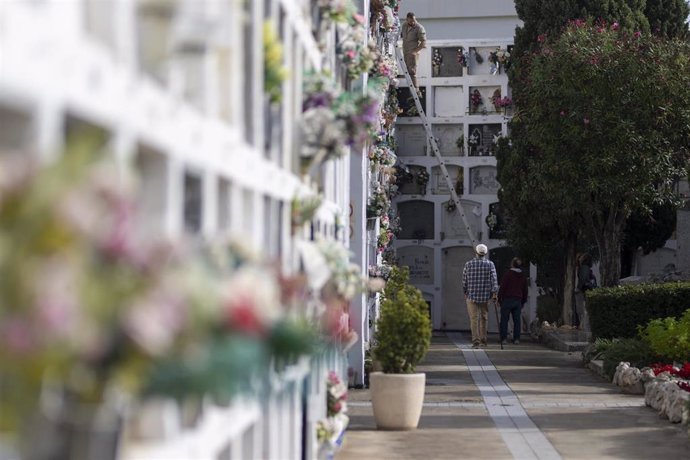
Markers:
point(93, 312)
point(330, 430)
point(475, 99)
point(463, 57)
point(436, 62)
point(333, 120)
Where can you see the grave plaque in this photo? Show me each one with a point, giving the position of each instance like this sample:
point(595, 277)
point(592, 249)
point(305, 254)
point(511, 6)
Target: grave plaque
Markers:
point(416, 220)
point(448, 101)
point(495, 221)
point(411, 140)
point(483, 180)
point(448, 65)
point(481, 65)
point(447, 139)
point(439, 186)
point(451, 220)
point(420, 259)
point(482, 139)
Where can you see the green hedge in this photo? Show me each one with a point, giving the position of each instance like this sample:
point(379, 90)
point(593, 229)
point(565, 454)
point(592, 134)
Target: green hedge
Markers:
point(616, 312)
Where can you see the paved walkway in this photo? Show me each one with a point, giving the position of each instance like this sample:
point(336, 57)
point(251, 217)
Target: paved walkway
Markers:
point(524, 402)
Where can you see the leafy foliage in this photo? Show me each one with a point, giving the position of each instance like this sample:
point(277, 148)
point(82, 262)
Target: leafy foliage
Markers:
point(403, 332)
point(632, 350)
point(669, 337)
point(602, 127)
point(548, 17)
point(617, 311)
point(667, 18)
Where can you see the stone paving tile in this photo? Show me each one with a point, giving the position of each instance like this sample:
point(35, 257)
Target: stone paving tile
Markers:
point(582, 415)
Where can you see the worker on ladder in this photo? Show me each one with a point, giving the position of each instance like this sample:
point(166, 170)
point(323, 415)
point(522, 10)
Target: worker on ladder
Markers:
point(413, 41)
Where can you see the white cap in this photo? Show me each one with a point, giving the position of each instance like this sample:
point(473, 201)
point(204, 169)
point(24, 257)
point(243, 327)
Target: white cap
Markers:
point(481, 249)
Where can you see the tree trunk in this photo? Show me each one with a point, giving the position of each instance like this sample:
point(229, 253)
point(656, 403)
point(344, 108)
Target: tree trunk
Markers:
point(609, 239)
point(569, 277)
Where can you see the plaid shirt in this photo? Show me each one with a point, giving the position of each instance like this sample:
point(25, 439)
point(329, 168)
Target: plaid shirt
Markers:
point(479, 279)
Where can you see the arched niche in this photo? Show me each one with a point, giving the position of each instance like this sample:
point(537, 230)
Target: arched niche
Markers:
point(420, 259)
point(447, 136)
point(452, 224)
point(416, 220)
point(439, 185)
point(483, 180)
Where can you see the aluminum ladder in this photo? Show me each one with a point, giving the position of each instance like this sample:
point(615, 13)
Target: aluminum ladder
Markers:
point(434, 145)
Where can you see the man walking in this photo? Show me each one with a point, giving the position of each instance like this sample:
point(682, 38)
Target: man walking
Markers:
point(414, 40)
point(479, 283)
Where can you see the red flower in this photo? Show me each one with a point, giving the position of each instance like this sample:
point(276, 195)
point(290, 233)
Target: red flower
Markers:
point(242, 317)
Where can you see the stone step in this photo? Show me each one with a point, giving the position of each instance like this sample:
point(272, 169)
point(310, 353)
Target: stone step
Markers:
point(565, 341)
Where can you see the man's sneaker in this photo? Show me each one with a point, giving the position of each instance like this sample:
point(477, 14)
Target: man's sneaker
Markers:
point(516, 342)
point(475, 345)
point(483, 344)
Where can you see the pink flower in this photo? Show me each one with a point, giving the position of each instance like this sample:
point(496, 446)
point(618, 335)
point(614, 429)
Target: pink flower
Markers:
point(586, 120)
point(541, 38)
point(562, 113)
point(637, 34)
point(615, 26)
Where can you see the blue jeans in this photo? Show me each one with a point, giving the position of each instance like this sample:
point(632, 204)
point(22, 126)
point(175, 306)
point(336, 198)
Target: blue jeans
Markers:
point(510, 307)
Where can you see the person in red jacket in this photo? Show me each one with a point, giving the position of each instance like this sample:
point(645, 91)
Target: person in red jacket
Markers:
point(512, 294)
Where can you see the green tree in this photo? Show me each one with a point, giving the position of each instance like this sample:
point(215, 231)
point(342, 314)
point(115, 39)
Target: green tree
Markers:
point(667, 18)
point(548, 17)
point(606, 114)
point(649, 231)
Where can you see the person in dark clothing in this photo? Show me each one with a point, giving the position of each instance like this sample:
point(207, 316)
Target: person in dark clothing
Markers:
point(512, 294)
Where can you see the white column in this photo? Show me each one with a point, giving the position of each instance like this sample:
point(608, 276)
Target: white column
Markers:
point(357, 233)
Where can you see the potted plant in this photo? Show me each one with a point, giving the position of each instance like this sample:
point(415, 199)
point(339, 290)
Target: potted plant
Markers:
point(403, 336)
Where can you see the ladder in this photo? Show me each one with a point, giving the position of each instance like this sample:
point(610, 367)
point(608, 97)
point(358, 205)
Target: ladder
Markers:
point(434, 145)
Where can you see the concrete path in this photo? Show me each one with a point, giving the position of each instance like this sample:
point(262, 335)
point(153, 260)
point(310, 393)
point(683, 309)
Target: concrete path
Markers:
point(524, 402)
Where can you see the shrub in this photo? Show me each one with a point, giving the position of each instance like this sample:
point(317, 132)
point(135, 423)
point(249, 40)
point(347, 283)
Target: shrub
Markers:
point(617, 311)
point(635, 351)
point(669, 337)
point(403, 333)
point(594, 350)
point(548, 309)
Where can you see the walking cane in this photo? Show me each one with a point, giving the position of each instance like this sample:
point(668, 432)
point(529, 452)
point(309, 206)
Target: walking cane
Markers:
point(498, 323)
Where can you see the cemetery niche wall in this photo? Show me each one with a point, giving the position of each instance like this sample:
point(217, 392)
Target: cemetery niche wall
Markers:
point(416, 220)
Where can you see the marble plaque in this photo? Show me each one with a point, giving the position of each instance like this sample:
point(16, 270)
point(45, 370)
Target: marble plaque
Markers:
point(410, 140)
point(483, 180)
point(439, 185)
point(481, 140)
point(447, 139)
point(448, 101)
point(420, 259)
point(416, 220)
point(486, 93)
point(452, 224)
point(484, 67)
